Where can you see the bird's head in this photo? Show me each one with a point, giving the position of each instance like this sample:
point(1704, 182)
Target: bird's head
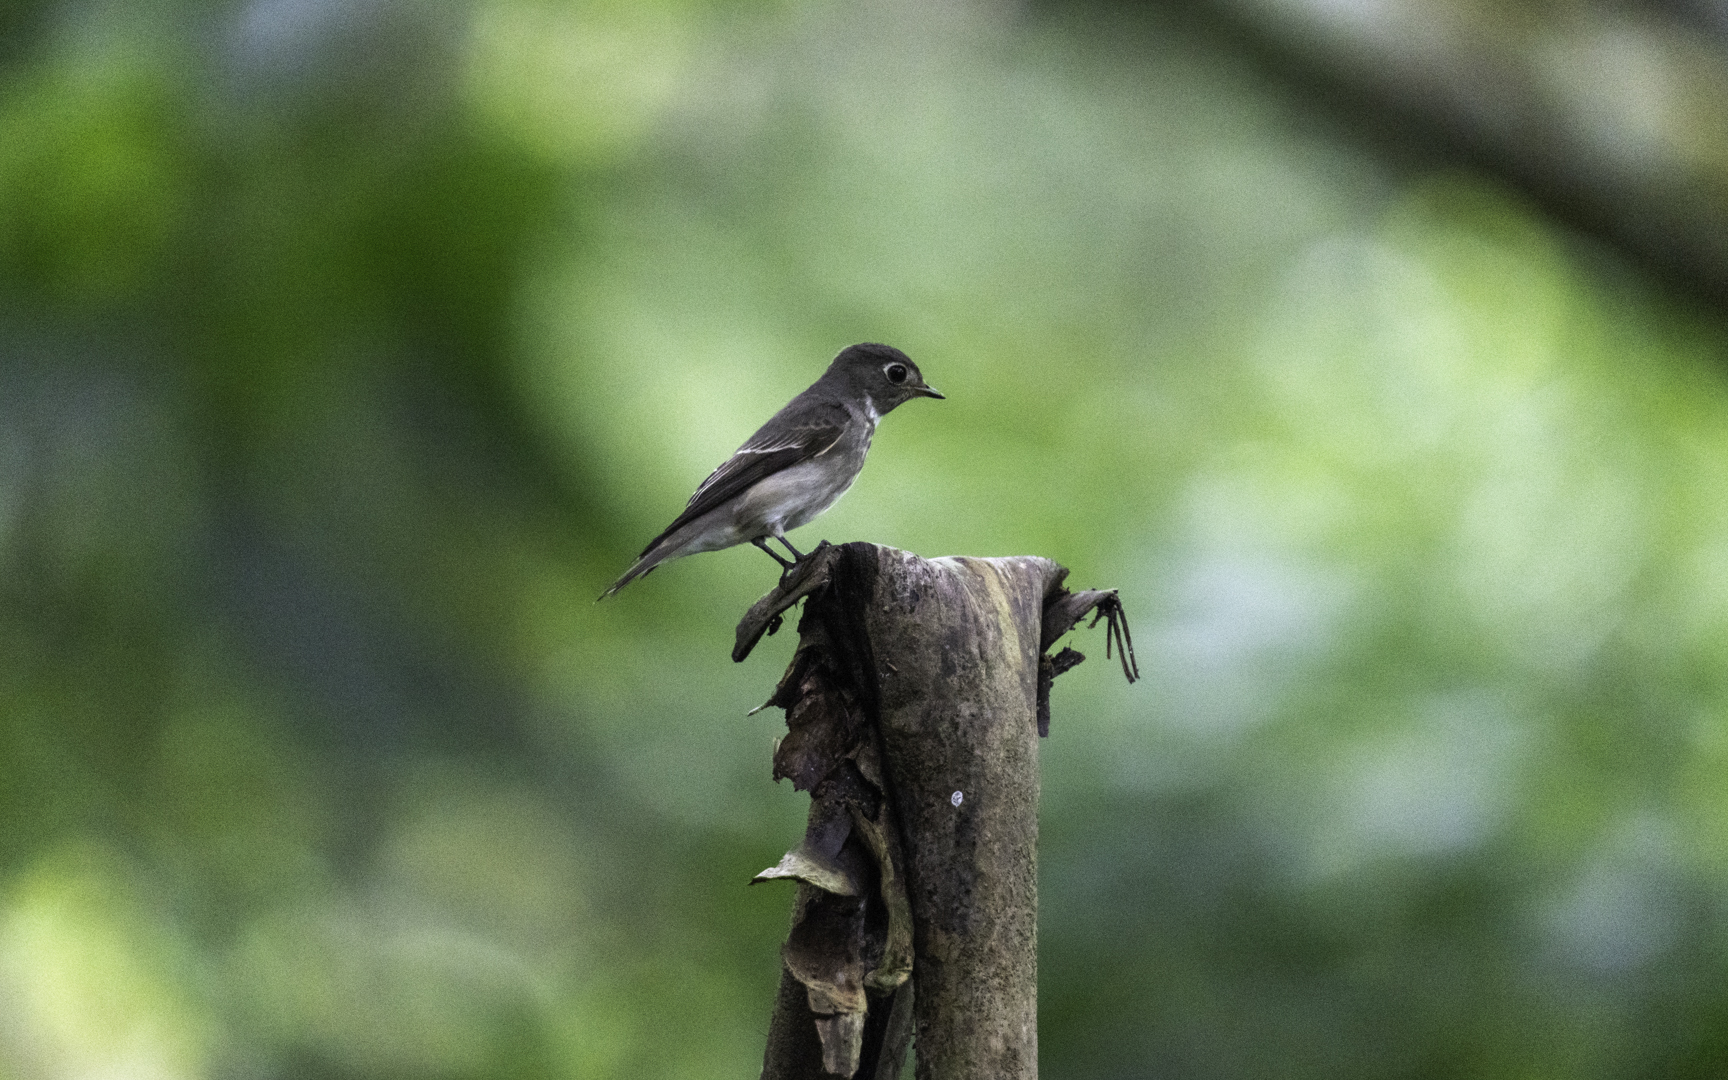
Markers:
point(880, 374)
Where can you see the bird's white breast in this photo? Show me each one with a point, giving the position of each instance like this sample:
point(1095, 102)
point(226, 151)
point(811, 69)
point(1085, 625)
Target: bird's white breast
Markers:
point(794, 496)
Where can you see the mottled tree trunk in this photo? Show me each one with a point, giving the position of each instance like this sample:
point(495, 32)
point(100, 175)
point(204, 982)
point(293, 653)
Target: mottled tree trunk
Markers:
point(914, 707)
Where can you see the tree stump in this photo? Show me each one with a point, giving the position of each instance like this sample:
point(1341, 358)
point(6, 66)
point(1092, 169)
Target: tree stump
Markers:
point(914, 704)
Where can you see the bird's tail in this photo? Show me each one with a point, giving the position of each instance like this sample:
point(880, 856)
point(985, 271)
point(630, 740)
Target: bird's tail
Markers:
point(651, 558)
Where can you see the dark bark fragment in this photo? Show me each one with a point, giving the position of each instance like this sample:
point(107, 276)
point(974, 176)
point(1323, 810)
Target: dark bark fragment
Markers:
point(809, 575)
point(1062, 610)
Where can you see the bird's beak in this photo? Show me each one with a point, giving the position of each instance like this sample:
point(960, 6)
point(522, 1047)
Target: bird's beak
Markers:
point(929, 391)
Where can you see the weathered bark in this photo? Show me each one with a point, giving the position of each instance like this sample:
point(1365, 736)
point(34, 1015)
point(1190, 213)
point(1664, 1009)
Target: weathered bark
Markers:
point(914, 703)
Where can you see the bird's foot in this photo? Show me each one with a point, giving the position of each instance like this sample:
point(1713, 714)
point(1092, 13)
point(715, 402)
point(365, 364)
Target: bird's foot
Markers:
point(785, 566)
point(787, 569)
point(801, 557)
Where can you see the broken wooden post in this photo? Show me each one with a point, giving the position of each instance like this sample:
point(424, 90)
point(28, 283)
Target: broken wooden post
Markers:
point(914, 704)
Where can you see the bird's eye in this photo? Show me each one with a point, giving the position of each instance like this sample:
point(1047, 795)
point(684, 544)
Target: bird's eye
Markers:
point(896, 373)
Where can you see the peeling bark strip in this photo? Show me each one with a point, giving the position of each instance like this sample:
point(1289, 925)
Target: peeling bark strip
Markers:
point(913, 705)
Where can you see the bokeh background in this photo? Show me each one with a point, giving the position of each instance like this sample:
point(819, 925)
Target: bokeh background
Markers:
point(348, 348)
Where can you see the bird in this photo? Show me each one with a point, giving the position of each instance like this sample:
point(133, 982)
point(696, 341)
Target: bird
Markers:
point(796, 466)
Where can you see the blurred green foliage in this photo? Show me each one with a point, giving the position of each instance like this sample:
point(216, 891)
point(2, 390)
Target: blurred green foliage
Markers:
point(349, 347)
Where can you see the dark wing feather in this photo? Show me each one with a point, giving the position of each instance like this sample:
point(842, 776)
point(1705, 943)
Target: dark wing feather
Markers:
point(767, 453)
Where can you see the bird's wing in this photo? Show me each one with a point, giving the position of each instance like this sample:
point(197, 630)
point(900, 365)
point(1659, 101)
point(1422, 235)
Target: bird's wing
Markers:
point(767, 453)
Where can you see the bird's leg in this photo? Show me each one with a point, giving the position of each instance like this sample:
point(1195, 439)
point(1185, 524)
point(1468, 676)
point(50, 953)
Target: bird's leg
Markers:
point(762, 543)
point(797, 556)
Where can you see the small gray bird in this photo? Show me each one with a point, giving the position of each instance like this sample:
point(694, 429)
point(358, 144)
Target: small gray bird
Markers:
point(796, 466)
